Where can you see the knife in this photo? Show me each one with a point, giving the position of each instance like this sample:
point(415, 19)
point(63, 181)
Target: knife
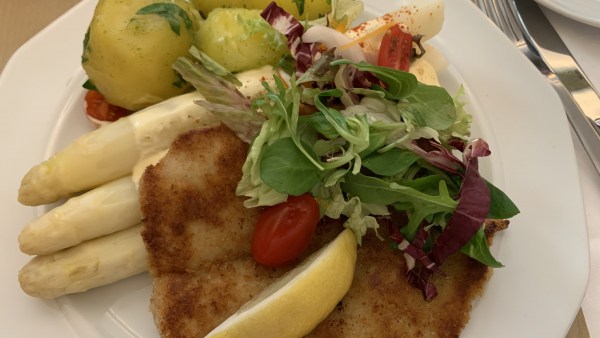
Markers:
point(551, 56)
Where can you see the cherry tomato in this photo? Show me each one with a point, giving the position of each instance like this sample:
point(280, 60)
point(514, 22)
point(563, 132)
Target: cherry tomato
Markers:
point(99, 111)
point(284, 230)
point(395, 50)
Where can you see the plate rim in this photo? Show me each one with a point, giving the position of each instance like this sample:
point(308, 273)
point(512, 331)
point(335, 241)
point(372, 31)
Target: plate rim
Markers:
point(84, 5)
point(582, 15)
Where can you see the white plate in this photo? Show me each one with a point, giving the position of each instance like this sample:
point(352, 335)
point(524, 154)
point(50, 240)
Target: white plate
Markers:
point(586, 11)
point(545, 250)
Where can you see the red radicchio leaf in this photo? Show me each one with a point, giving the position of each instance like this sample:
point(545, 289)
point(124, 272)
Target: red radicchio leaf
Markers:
point(420, 280)
point(457, 143)
point(469, 215)
point(413, 252)
point(476, 148)
point(286, 24)
point(472, 208)
point(435, 154)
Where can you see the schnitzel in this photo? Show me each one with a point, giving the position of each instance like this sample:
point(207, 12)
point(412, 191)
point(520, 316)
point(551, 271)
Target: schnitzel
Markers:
point(381, 303)
point(191, 214)
point(198, 233)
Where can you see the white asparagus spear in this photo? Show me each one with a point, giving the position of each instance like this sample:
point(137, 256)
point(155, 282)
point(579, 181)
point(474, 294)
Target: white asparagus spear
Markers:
point(108, 208)
point(91, 264)
point(103, 210)
point(111, 152)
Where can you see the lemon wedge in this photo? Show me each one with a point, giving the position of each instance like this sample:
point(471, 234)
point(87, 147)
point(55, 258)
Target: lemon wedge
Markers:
point(296, 303)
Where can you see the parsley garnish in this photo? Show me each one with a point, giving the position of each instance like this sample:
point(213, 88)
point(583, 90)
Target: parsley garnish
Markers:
point(300, 6)
point(170, 12)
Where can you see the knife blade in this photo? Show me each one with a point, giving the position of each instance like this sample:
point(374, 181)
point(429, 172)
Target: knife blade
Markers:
point(550, 55)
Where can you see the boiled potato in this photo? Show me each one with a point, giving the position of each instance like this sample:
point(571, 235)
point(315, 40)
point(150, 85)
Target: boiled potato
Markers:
point(313, 9)
point(128, 54)
point(240, 39)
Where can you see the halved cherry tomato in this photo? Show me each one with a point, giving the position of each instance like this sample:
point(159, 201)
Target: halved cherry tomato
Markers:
point(284, 230)
point(395, 50)
point(99, 110)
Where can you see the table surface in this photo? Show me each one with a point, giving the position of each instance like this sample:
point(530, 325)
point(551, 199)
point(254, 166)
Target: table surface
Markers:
point(15, 30)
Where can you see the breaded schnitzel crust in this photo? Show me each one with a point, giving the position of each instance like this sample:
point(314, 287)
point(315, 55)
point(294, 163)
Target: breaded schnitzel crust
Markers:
point(381, 303)
point(191, 214)
point(193, 303)
point(197, 234)
point(198, 237)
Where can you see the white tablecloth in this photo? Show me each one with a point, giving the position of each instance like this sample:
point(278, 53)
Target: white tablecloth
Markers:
point(584, 43)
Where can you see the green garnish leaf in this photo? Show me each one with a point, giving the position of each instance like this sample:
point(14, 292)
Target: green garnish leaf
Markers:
point(319, 123)
point(399, 84)
point(417, 204)
point(478, 249)
point(430, 106)
point(355, 130)
point(391, 162)
point(89, 85)
point(86, 47)
point(286, 169)
point(376, 140)
point(501, 206)
point(377, 191)
point(427, 184)
point(287, 63)
point(300, 6)
point(214, 66)
point(179, 82)
point(170, 12)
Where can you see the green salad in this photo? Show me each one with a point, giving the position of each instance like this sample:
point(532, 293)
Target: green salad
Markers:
point(370, 143)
